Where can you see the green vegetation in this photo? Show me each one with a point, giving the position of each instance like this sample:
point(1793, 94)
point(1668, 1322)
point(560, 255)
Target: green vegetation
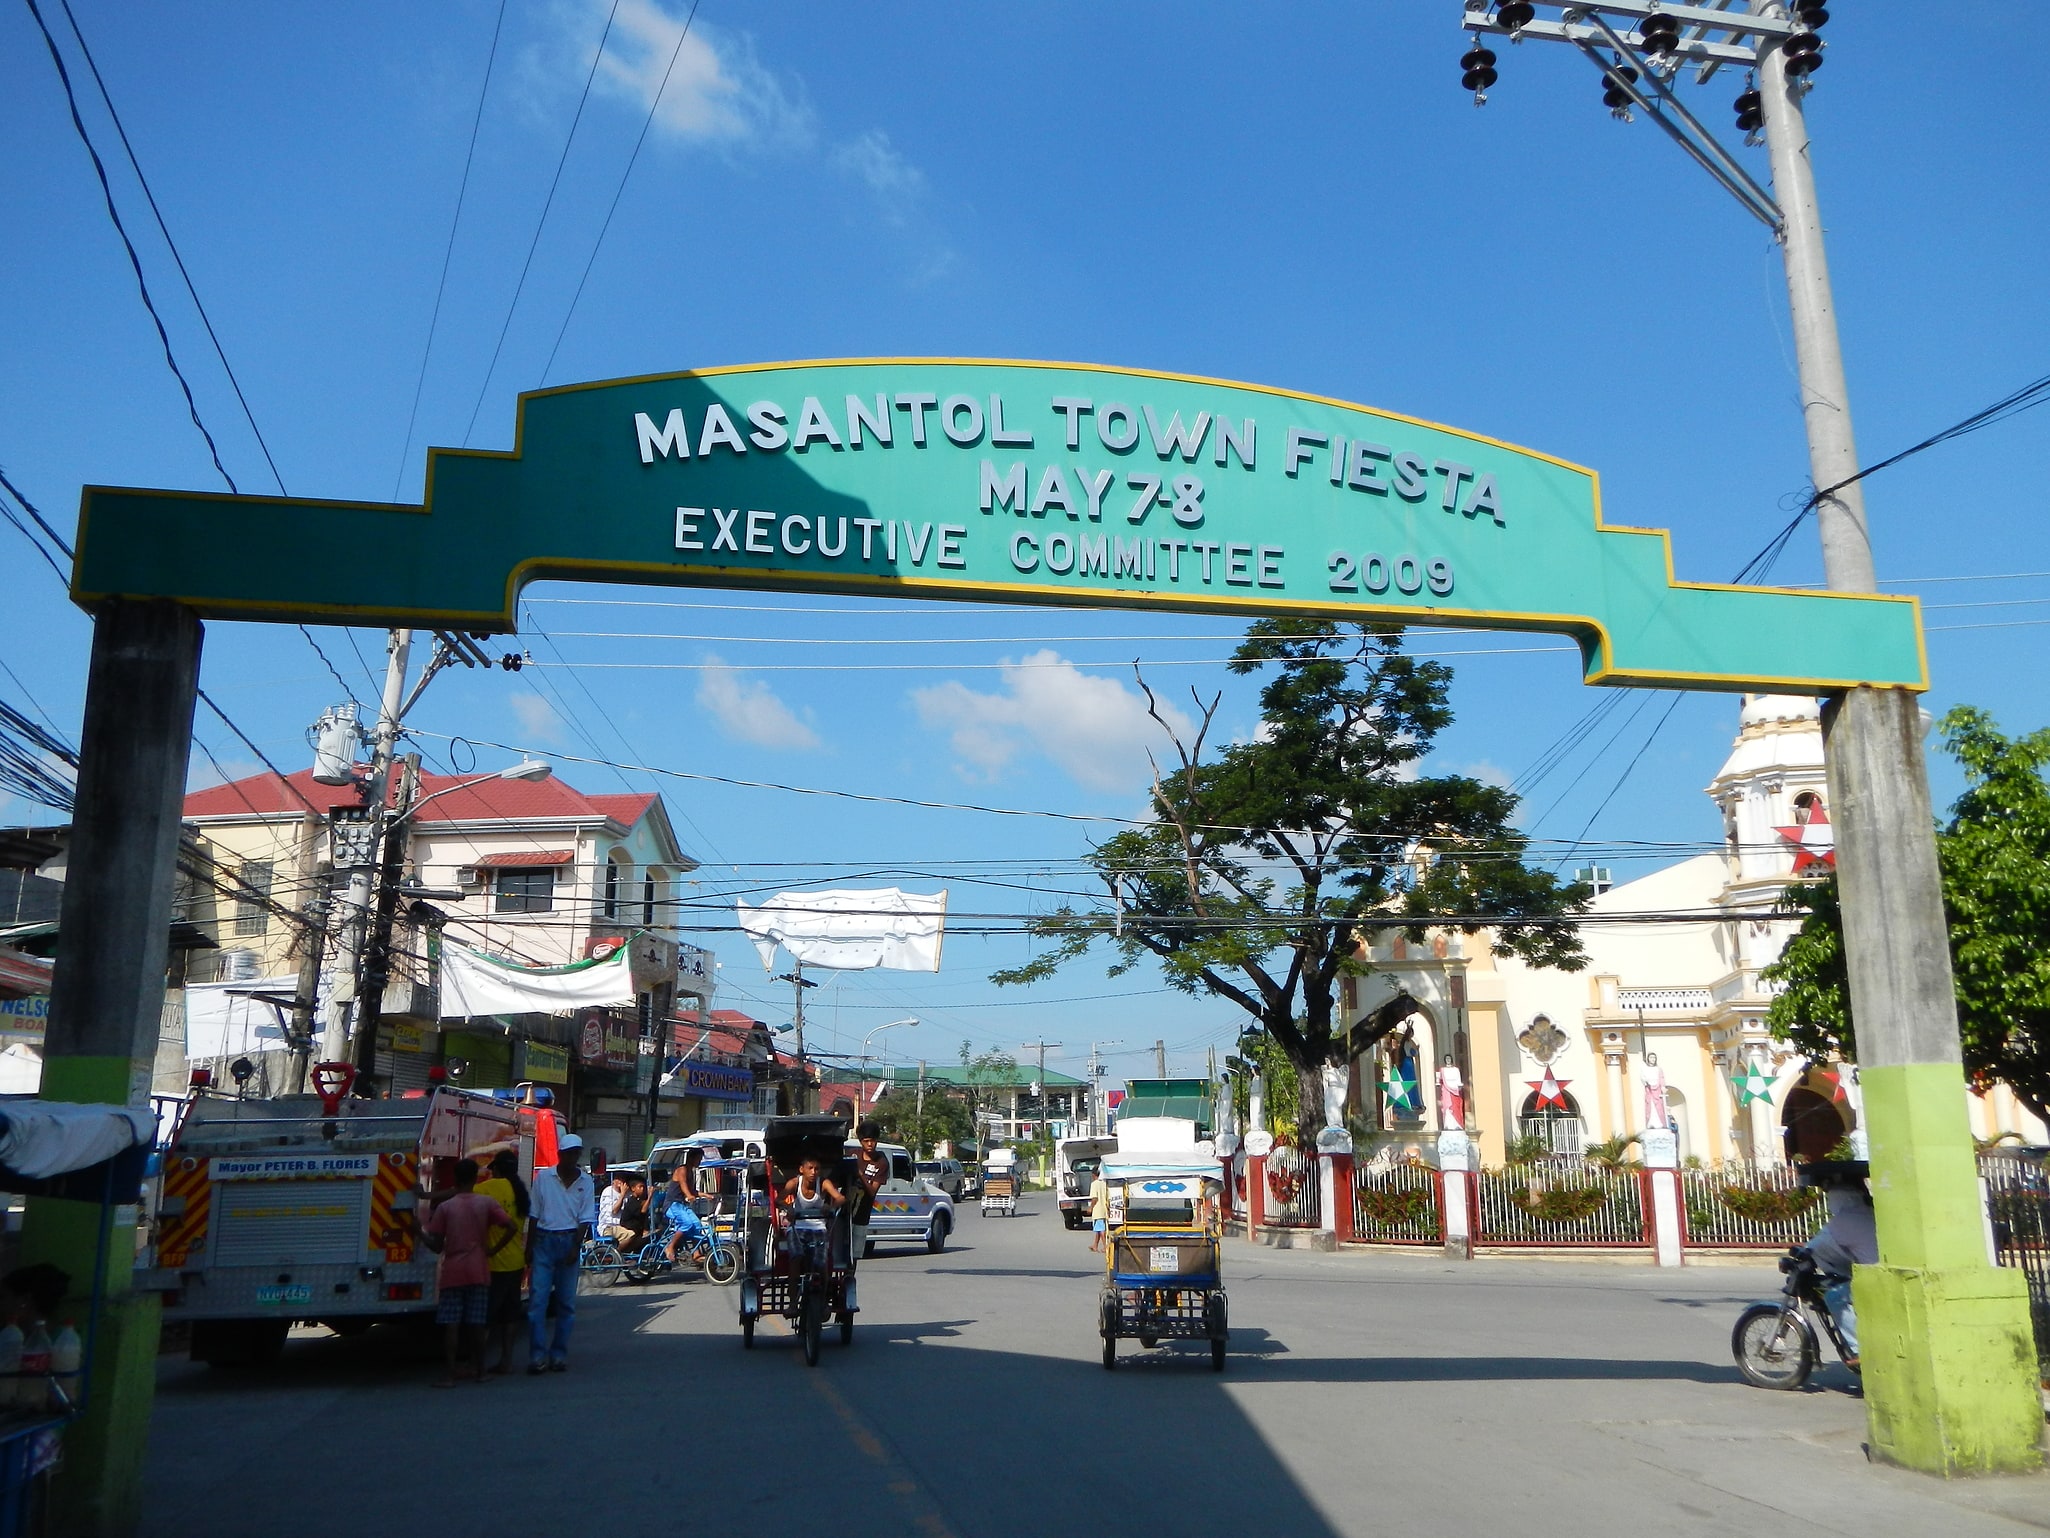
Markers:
point(1995, 858)
point(1272, 862)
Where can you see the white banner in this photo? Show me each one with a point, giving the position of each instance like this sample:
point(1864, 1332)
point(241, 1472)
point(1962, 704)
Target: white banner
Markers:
point(473, 983)
point(850, 929)
point(225, 1020)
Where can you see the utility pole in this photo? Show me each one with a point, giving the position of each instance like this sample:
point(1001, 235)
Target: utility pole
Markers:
point(1096, 1106)
point(1945, 1336)
point(920, 1123)
point(394, 844)
point(1160, 1060)
point(334, 1041)
point(312, 945)
point(798, 983)
point(1045, 1127)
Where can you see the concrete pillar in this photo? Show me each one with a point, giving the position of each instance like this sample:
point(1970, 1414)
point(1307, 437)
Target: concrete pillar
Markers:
point(1258, 1146)
point(1455, 1172)
point(106, 1009)
point(1338, 1214)
point(1663, 1208)
point(1949, 1356)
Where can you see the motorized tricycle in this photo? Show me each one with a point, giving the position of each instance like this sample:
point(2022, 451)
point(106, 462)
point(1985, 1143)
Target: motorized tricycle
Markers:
point(1162, 1266)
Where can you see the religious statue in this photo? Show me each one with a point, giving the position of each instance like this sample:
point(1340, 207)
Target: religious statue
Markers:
point(1656, 1112)
point(1451, 1098)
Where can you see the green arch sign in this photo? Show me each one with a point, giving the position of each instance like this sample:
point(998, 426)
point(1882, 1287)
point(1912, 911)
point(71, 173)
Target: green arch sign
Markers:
point(1011, 482)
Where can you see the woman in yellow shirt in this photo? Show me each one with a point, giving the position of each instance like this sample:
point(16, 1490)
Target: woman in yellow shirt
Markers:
point(508, 1313)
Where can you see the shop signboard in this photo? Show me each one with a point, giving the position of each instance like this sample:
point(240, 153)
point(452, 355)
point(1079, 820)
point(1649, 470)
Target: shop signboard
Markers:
point(715, 1081)
point(544, 1063)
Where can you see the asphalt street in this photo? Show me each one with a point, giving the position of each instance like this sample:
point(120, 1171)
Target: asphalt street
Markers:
point(1365, 1394)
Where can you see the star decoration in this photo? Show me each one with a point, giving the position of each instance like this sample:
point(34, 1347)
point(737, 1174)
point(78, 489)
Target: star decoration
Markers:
point(1753, 1083)
point(1827, 1081)
point(1550, 1090)
point(1814, 843)
point(1400, 1090)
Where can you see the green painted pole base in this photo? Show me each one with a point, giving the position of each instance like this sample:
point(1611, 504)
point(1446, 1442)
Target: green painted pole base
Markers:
point(97, 1489)
point(1950, 1368)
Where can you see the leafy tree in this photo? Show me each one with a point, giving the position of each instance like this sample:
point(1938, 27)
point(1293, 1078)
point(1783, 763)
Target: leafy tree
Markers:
point(945, 1117)
point(1271, 862)
point(1995, 858)
point(988, 1079)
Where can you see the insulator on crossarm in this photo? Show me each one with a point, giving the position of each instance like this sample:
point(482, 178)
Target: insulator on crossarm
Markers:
point(1515, 14)
point(1615, 94)
point(1811, 16)
point(1477, 65)
point(1660, 34)
point(1803, 53)
point(1750, 115)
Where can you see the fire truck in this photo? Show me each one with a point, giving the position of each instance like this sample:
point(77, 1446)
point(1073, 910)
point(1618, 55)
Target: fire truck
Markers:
point(276, 1211)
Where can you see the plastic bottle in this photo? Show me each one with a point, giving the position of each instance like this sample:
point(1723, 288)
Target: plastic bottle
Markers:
point(67, 1355)
point(33, 1386)
point(10, 1364)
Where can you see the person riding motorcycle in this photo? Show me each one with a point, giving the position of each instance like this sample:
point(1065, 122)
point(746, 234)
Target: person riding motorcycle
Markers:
point(1849, 1238)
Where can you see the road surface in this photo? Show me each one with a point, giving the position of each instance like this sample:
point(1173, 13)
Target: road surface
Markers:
point(1366, 1394)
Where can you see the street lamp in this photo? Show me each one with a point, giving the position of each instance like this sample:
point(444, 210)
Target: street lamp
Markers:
point(887, 1025)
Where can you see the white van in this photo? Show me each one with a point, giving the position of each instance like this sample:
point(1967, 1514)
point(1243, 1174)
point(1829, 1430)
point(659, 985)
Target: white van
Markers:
point(909, 1208)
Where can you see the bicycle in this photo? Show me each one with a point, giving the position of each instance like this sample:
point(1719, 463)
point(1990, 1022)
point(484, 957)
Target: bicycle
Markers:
point(698, 1247)
point(600, 1255)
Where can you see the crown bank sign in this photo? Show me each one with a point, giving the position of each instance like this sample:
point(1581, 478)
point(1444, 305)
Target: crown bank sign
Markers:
point(1014, 482)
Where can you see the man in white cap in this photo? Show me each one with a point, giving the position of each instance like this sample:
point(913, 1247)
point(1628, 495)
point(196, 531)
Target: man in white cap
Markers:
point(565, 1206)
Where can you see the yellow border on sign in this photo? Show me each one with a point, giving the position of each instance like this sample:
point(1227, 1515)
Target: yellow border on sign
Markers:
point(540, 568)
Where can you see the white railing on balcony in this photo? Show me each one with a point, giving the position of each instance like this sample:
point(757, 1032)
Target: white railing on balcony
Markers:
point(1664, 1000)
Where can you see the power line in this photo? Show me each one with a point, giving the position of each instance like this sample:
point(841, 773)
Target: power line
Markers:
point(613, 207)
point(540, 224)
point(134, 261)
point(165, 230)
point(2027, 398)
point(441, 287)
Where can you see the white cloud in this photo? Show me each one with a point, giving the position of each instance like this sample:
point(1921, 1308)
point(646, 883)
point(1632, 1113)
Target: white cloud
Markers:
point(1489, 773)
point(539, 720)
point(748, 709)
point(717, 91)
point(1094, 728)
point(873, 161)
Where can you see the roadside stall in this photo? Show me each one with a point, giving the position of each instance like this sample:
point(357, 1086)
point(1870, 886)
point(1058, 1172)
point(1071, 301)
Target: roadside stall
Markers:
point(83, 1153)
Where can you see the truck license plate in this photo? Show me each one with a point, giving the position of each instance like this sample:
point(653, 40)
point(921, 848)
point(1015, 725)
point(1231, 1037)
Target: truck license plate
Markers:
point(1165, 1258)
point(277, 1295)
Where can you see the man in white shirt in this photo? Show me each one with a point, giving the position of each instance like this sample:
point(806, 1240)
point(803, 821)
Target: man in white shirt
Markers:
point(565, 1207)
point(609, 1202)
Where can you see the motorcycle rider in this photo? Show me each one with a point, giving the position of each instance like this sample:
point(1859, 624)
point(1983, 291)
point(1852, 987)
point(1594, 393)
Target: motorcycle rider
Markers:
point(1849, 1238)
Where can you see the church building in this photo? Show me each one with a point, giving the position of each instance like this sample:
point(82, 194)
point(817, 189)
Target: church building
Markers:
point(1671, 1010)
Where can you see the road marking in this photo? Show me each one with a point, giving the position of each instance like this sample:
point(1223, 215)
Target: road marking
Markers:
point(918, 1504)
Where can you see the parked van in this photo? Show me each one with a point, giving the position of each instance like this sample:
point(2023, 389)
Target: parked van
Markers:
point(1076, 1161)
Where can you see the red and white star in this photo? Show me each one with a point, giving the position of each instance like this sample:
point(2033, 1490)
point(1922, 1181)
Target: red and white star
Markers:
point(1814, 842)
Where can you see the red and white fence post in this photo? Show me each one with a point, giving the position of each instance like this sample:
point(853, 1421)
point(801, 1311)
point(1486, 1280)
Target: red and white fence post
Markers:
point(1227, 1147)
point(1661, 1150)
point(1334, 1172)
point(1455, 1178)
point(1258, 1146)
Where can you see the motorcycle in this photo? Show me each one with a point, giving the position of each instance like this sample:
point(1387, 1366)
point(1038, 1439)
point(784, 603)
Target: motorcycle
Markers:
point(1774, 1343)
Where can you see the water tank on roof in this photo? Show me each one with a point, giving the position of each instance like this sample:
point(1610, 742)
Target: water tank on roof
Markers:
point(335, 738)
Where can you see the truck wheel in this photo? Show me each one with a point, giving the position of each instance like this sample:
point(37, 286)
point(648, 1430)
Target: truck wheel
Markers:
point(936, 1235)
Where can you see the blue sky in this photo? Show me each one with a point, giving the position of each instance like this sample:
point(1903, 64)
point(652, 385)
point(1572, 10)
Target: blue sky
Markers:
point(1301, 198)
